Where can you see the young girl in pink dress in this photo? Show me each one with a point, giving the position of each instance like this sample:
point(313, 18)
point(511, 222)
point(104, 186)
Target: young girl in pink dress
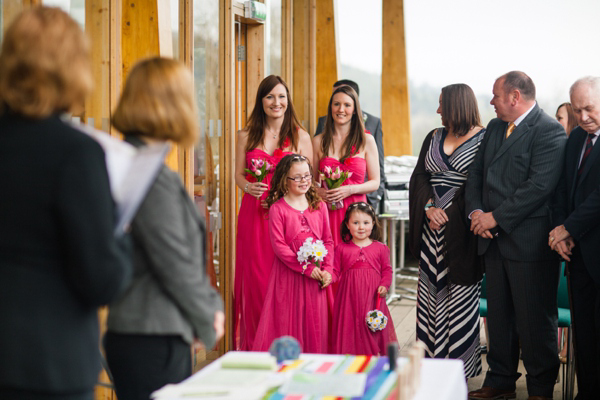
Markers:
point(345, 144)
point(298, 297)
point(273, 131)
point(362, 265)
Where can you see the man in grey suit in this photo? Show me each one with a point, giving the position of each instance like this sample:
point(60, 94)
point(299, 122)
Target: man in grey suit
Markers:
point(508, 193)
point(373, 125)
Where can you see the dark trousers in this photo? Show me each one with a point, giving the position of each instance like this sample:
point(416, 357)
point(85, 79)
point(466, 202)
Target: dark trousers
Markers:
point(141, 364)
point(522, 308)
point(585, 309)
point(20, 394)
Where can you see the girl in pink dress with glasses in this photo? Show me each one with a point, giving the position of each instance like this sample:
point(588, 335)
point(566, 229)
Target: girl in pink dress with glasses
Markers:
point(273, 131)
point(344, 144)
point(298, 297)
point(362, 266)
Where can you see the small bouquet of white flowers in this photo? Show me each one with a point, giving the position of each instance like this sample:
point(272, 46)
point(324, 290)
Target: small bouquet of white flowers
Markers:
point(311, 253)
point(376, 321)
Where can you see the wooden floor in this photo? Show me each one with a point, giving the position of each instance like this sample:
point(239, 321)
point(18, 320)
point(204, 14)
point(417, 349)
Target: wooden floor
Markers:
point(404, 315)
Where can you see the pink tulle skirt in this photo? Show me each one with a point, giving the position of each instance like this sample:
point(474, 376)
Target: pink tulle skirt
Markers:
point(356, 296)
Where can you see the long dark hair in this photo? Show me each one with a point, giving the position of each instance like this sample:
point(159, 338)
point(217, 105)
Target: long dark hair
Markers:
point(258, 119)
point(356, 137)
point(376, 233)
point(279, 182)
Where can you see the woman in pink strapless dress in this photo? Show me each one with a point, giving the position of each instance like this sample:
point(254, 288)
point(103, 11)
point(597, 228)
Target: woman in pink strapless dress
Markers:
point(273, 131)
point(345, 144)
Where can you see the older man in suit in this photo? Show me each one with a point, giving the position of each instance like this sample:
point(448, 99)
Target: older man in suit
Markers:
point(577, 235)
point(373, 125)
point(508, 195)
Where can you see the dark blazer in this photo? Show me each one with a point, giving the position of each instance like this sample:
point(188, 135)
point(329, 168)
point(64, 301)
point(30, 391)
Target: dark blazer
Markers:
point(170, 293)
point(373, 125)
point(59, 259)
point(514, 178)
point(577, 206)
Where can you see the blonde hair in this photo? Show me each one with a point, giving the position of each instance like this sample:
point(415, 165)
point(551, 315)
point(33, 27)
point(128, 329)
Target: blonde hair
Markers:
point(158, 102)
point(44, 64)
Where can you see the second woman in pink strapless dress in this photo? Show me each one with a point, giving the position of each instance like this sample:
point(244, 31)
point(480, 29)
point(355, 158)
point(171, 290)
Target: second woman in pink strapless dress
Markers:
point(273, 131)
point(345, 144)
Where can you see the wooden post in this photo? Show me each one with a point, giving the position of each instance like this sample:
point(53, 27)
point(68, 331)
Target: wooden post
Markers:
point(146, 32)
point(395, 101)
point(186, 51)
point(10, 9)
point(300, 88)
point(304, 62)
point(97, 27)
point(287, 36)
point(255, 61)
point(327, 54)
point(227, 169)
point(312, 76)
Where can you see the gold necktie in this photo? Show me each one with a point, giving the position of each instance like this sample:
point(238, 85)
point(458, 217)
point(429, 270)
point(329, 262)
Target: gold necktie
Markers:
point(511, 128)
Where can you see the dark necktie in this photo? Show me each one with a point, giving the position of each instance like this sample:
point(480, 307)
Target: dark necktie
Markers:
point(586, 152)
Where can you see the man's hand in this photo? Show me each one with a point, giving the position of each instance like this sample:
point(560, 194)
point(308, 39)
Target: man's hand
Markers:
point(564, 248)
point(557, 235)
point(481, 223)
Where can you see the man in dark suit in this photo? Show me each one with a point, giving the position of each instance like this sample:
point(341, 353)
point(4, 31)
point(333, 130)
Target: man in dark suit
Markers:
point(577, 234)
point(508, 194)
point(373, 125)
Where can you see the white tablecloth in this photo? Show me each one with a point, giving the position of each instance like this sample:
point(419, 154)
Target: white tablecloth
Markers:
point(440, 379)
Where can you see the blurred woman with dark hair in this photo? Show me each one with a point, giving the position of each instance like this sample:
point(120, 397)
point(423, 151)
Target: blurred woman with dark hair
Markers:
point(450, 271)
point(566, 117)
point(59, 259)
point(273, 131)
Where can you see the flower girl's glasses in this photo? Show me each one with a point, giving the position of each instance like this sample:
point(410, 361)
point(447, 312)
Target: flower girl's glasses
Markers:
point(299, 179)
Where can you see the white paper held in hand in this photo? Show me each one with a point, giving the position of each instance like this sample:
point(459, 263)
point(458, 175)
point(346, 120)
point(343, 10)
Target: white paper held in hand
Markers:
point(131, 172)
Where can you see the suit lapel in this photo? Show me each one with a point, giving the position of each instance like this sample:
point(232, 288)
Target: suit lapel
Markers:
point(505, 144)
point(574, 165)
point(519, 132)
point(590, 160)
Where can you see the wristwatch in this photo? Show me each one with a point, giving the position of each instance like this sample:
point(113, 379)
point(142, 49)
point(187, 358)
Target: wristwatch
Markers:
point(428, 206)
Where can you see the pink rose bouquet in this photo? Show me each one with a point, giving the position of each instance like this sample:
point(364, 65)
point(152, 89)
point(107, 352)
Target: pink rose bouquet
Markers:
point(333, 179)
point(259, 168)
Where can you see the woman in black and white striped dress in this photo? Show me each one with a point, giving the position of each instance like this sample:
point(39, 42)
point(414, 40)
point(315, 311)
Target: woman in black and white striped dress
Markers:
point(450, 271)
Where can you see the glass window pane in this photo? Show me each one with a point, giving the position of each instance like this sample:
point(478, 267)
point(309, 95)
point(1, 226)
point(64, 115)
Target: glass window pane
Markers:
point(273, 38)
point(75, 8)
point(175, 27)
point(207, 151)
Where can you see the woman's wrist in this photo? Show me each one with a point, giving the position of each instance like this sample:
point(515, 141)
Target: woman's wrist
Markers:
point(246, 187)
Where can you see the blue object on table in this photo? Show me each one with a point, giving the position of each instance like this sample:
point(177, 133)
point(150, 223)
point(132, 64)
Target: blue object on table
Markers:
point(285, 348)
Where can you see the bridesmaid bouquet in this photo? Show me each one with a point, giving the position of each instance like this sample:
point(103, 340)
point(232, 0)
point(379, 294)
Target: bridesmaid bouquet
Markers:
point(376, 321)
point(333, 179)
point(258, 169)
point(311, 253)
